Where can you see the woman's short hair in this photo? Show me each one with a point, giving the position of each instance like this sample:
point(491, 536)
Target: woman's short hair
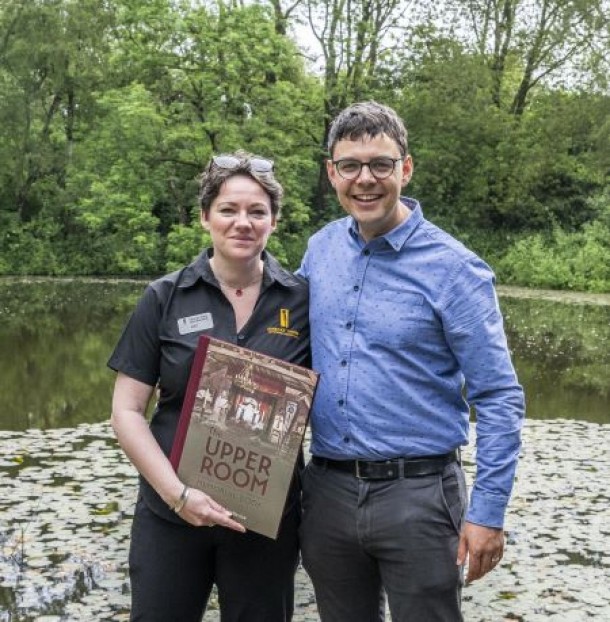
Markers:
point(240, 162)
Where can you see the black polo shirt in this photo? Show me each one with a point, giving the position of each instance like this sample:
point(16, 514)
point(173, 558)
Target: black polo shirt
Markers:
point(158, 343)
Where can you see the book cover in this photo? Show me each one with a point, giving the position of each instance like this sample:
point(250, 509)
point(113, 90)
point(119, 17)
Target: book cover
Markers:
point(241, 428)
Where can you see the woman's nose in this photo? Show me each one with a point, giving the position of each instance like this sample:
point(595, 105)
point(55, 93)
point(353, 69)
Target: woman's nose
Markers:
point(242, 219)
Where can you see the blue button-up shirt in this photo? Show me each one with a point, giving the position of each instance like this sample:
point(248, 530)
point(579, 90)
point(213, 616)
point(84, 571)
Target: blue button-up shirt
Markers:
point(407, 333)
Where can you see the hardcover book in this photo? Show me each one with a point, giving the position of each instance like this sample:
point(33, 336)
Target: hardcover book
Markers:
point(241, 429)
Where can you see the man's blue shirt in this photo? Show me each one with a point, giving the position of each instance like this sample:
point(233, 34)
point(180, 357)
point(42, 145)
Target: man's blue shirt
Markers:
point(398, 325)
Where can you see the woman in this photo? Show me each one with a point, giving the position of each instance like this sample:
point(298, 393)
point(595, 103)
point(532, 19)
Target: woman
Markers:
point(234, 291)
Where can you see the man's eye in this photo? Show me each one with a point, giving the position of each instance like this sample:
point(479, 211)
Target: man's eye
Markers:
point(259, 213)
point(382, 166)
point(349, 166)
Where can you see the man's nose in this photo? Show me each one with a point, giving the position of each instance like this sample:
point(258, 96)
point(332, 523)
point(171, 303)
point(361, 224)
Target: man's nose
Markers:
point(366, 176)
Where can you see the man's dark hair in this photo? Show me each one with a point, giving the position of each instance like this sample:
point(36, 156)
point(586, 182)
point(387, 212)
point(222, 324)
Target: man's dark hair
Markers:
point(211, 180)
point(367, 119)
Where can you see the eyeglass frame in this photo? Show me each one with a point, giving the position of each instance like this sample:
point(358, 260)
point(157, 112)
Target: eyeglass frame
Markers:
point(336, 164)
point(255, 164)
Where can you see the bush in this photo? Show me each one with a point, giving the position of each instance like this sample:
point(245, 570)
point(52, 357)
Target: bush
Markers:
point(184, 243)
point(572, 261)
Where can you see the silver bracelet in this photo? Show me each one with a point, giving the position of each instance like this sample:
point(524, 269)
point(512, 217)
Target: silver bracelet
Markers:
point(182, 500)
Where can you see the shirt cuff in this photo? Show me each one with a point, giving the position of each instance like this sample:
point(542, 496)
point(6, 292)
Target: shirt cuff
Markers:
point(487, 510)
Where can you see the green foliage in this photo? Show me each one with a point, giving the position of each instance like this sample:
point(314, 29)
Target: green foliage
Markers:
point(109, 111)
point(478, 167)
point(29, 248)
point(115, 186)
point(184, 244)
point(576, 261)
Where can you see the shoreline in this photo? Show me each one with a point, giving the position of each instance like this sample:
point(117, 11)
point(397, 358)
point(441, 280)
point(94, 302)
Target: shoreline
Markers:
point(509, 291)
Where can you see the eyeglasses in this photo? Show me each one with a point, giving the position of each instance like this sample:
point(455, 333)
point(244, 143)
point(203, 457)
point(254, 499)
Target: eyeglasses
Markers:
point(256, 165)
point(381, 168)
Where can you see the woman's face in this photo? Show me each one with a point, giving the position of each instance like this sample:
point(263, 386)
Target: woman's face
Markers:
point(239, 220)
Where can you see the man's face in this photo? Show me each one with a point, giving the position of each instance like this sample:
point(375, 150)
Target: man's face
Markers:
point(374, 203)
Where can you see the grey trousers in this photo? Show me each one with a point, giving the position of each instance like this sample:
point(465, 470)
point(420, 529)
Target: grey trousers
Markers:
point(361, 538)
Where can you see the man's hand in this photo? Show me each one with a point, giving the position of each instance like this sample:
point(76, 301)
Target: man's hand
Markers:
point(482, 546)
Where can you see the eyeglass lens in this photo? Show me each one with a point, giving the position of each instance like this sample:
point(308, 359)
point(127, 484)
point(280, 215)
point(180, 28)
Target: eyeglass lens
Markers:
point(380, 167)
point(256, 165)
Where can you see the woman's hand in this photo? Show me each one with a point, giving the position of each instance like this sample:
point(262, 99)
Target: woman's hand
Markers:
point(128, 408)
point(201, 510)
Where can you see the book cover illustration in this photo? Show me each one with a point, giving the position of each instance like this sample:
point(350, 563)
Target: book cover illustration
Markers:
point(241, 428)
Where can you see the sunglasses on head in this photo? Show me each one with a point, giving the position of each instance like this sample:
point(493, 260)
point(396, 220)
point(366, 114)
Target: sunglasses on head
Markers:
point(256, 165)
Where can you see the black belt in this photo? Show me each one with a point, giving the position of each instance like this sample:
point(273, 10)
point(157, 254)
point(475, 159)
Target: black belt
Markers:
point(390, 469)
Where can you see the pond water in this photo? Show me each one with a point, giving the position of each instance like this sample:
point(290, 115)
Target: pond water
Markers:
point(56, 335)
point(69, 490)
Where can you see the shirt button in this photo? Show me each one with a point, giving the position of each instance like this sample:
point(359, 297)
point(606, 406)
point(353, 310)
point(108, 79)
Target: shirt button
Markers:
point(346, 439)
point(348, 325)
point(367, 252)
point(241, 337)
point(343, 363)
point(356, 288)
point(341, 402)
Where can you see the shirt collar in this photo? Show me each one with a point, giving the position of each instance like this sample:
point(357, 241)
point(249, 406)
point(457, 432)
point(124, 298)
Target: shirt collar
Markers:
point(397, 237)
point(201, 269)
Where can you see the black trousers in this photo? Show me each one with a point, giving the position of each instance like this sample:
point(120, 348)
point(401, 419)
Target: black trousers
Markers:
point(173, 567)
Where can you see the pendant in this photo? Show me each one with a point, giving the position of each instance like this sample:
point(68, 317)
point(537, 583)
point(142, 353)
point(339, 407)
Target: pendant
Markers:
point(239, 292)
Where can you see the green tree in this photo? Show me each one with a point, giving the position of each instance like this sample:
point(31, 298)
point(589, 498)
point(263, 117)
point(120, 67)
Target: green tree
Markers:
point(116, 184)
point(220, 91)
point(50, 59)
point(529, 44)
point(353, 35)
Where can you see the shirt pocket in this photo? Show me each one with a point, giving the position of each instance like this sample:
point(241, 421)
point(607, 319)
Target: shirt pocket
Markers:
point(399, 318)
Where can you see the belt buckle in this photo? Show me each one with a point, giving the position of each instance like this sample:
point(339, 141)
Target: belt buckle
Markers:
point(358, 476)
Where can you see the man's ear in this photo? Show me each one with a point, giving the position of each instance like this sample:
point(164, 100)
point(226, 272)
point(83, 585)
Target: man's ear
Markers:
point(331, 172)
point(407, 170)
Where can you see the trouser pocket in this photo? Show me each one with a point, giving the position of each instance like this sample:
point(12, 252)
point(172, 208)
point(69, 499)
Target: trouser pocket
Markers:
point(453, 492)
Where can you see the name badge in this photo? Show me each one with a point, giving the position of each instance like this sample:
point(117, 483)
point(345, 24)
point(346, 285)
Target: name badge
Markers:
point(194, 323)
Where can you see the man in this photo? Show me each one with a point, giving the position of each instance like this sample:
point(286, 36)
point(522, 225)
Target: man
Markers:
point(401, 316)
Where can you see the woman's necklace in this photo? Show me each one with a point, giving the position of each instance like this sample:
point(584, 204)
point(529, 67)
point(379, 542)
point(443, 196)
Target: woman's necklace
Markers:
point(239, 291)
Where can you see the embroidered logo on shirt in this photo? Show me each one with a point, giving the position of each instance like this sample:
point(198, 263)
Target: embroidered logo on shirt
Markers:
point(284, 325)
point(195, 323)
point(284, 318)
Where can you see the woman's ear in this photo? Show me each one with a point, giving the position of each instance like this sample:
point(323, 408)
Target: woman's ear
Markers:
point(205, 219)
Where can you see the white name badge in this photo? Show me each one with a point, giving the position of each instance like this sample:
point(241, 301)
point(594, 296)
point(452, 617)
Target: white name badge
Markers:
point(195, 323)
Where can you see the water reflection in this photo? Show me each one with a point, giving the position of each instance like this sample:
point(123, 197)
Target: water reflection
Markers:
point(55, 337)
point(561, 354)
